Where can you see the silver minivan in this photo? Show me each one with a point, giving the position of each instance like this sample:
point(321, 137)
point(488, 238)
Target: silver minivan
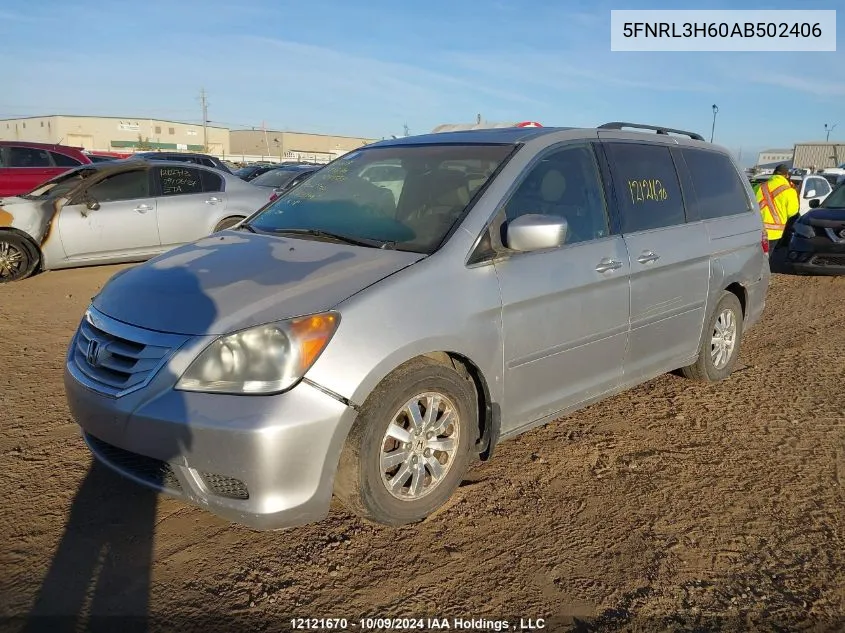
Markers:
point(374, 331)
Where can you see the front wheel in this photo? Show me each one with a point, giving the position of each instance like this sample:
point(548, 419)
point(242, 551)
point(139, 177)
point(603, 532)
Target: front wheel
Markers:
point(411, 445)
point(18, 257)
point(720, 344)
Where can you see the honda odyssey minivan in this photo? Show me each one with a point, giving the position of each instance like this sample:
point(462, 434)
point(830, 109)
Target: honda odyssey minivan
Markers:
point(371, 342)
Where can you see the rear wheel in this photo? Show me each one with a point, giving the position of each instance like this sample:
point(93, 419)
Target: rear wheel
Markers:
point(721, 342)
point(411, 445)
point(18, 257)
point(227, 223)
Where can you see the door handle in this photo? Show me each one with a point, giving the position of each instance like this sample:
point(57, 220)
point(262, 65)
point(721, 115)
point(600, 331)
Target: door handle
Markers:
point(647, 257)
point(143, 208)
point(212, 200)
point(607, 264)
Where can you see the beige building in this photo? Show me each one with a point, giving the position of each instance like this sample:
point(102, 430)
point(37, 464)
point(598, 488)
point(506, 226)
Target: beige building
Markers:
point(774, 156)
point(819, 155)
point(115, 134)
point(320, 148)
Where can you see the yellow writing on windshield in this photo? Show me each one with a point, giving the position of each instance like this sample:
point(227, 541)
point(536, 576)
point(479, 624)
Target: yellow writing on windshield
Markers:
point(644, 190)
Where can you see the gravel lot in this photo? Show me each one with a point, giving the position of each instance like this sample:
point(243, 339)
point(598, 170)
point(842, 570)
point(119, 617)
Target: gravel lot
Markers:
point(675, 506)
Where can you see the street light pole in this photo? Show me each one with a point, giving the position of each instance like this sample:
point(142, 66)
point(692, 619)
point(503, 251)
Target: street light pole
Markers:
point(713, 129)
point(828, 130)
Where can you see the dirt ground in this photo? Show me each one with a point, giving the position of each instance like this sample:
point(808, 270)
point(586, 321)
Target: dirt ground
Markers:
point(675, 506)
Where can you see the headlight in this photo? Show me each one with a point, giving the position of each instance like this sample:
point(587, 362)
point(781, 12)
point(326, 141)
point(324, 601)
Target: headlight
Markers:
point(264, 359)
point(804, 230)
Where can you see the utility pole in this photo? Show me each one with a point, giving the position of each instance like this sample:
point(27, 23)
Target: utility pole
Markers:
point(204, 102)
point(407, 131)
point(713, 129)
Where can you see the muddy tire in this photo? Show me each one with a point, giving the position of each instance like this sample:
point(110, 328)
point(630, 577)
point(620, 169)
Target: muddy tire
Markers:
point(720, 342)
point(411, 444)
point(227, 223)
point(18, 257)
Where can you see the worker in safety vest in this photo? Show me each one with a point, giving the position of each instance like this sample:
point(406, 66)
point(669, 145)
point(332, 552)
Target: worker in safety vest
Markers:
point(778, 202)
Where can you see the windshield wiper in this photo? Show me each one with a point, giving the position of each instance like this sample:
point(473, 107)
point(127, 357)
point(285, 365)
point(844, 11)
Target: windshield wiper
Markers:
point(248, 227)
point(357, 241)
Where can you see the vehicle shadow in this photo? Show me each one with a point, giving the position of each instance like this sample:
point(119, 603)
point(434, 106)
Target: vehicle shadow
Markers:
point(99, 578)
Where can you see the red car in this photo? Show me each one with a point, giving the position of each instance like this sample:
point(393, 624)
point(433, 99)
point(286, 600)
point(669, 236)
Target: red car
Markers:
point(24, 166)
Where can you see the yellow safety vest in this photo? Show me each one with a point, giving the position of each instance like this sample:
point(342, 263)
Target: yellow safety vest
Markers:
point(778, 202)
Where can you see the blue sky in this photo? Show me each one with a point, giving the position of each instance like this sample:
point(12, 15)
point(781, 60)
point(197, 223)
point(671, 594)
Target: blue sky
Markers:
point(367, 68)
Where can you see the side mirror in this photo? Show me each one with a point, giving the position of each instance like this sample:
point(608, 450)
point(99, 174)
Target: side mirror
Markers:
point(535, 232)
point(814, 204)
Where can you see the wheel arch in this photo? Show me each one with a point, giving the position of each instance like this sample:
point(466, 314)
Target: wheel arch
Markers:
point(489, 412)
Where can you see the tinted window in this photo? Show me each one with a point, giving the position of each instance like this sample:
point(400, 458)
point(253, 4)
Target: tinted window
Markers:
point(127, 185)
point(718, 189)
point(211, 181)
point(836, 200)
point(647, 187)
point(566, 183)
point(64, 161)
point(177, 181)
point(276, 178)
point(206, 161)
point(28, 157)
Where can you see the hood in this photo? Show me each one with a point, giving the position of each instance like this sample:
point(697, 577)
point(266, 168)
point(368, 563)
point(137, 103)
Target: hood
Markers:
point(233, 280)
point(824, 216)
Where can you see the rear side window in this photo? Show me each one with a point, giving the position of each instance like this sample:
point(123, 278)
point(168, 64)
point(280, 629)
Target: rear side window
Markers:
point(647, 187)
point(178, 181)
point(719, 192)
point(28, 157)
point(64, 161)
point(211, 181)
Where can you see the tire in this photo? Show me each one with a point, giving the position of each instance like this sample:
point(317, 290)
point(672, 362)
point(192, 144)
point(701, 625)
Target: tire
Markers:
point(18, 257)
point(226, 223)
point(706, 369)
point(360, 483)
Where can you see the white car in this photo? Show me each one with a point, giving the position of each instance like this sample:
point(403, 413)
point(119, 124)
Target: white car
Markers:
point(813, 187)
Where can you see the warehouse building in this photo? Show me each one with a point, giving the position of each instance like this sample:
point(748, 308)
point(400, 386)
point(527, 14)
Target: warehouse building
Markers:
point(819, 155)
point(775, 156)
point(115, 133)
point(291, 146)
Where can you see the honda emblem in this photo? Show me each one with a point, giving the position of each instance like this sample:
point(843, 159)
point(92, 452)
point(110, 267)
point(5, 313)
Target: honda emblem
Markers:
point(92, 354)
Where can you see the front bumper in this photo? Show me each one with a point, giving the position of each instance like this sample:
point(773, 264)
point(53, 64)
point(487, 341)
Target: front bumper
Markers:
point(817, 256)
point(267, 462)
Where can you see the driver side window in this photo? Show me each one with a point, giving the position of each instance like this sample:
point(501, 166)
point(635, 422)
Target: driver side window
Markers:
point(127, 185)
point(565, 183)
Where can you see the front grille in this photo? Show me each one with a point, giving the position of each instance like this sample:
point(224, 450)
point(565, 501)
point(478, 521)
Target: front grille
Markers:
point(225, 486)
point(113, 358)
point(828, 260)
point(148, 469)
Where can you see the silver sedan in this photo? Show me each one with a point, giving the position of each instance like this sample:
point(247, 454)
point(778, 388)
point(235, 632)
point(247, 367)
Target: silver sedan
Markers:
point(120, 211)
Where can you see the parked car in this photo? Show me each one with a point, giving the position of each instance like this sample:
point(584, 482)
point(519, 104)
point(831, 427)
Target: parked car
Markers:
point(282, 179)
point(251, 172)
point(99, 158)
point(816, 241)
point(117, 211)
point(185, 157)
point(24, 166)
point(339, 342)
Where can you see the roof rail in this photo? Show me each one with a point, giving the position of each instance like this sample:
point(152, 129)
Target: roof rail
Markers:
point(618, 125)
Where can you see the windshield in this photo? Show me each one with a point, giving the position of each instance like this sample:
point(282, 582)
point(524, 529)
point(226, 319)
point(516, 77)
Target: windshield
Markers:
point(60, 185)
point(409, 195)
point(277, 178)
point(836, 200)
